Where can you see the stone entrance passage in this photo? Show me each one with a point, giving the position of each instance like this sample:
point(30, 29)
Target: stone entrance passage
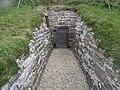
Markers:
point(61, 37)
point(62, 72)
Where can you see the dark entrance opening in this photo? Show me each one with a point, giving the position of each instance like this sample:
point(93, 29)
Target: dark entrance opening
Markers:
point(61, 37)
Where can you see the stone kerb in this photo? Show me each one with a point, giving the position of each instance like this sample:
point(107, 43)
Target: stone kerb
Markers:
point(31, 68)
point(98, 69)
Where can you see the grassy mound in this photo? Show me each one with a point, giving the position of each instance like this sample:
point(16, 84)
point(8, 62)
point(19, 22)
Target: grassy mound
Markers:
point(16, 26)
point(106, 26)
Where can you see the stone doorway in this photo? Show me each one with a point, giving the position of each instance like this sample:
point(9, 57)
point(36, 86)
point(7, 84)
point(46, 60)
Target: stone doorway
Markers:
point(61, 37)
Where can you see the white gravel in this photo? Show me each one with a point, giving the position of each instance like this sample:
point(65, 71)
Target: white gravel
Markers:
point(62, 72)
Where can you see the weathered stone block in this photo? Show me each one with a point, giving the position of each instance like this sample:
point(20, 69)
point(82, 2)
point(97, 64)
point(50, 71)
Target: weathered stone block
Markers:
point(101, 74)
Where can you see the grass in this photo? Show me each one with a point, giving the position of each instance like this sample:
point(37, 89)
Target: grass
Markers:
point(16, 26)
point(106, 26)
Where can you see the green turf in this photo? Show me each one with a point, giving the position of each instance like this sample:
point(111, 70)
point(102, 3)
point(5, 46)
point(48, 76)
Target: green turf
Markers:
point(106, 26)
point(16, 26)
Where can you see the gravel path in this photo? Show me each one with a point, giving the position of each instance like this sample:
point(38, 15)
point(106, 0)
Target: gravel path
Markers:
point(62, 72)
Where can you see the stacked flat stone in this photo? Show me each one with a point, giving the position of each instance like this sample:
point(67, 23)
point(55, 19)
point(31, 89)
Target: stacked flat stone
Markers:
point(32, 67)
point(98, 69)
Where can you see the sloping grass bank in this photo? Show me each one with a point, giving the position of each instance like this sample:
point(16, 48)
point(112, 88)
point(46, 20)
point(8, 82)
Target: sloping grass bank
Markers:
point(106, 26)
point(16, 26)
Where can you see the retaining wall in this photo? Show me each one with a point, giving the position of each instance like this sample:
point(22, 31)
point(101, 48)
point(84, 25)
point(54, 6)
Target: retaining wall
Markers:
point(98, 69)
point(31, 68)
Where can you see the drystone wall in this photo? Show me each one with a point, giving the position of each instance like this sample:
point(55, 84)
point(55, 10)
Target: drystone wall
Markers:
point(98, 69)
point(62, 18)
point(32, 67)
